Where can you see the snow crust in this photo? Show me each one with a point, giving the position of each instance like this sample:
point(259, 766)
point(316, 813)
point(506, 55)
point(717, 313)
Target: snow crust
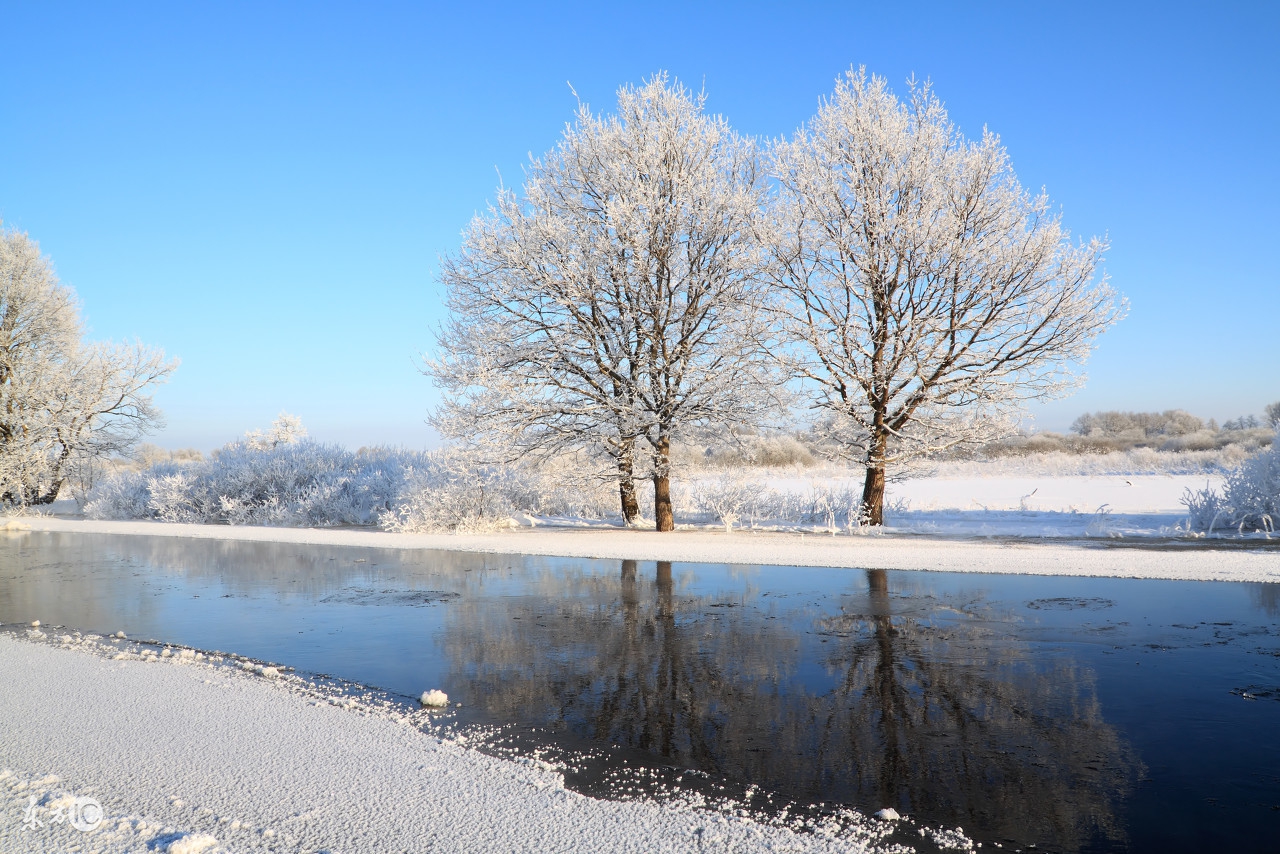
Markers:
point(186, 755)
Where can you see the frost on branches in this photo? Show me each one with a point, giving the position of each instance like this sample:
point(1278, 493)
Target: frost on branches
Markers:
point(613, 307)
point(299, 482)
point(924, 293)
point(1250, 498)
point(64, 402)
point(285, 430)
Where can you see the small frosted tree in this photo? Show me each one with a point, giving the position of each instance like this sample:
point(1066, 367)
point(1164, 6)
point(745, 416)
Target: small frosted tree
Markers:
point(63, 402)
point(614, 305)
point(924, 292)
point(285, 430)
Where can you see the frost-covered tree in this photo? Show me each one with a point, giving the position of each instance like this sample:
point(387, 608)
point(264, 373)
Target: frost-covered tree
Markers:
point(285, 430)
point(63, 401)
point(925, 293)
point(612, 306)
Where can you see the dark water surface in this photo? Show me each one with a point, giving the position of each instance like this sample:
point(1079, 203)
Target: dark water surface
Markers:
point(1074, 714)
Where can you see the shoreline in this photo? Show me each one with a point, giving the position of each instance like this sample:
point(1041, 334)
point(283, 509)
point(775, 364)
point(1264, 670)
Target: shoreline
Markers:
point(186, 755)
point(1194, 560)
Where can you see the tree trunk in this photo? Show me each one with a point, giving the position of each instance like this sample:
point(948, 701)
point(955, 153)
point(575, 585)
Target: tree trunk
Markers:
point(662, 512)
point(50, 496)
point(873, 495)
point(55, 478)
point(627, 483)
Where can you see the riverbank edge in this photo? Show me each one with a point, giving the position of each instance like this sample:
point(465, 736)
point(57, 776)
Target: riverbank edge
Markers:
point(1191, 560)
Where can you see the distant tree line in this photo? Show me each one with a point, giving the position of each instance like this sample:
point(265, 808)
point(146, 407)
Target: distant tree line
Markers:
point(1170, 430)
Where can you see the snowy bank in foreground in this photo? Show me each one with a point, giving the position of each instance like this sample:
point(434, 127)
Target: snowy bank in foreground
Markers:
point(184, 756)
point(1186, 560)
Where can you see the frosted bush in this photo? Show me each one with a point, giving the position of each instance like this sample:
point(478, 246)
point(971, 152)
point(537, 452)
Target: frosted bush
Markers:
point(1250, 498)
point(297, 483)
point(834, 508)
point(292, 482)
point(726, 497)
point(449, 492)
point(733, 497)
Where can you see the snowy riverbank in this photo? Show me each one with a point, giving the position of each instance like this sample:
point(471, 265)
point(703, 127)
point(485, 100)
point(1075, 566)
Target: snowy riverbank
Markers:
point(970, 544)
point(186, 754)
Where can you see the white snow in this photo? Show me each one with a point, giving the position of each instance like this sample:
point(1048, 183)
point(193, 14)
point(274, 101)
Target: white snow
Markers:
point(434, 697)
point(187, 757)
point(192, 843)
point(1064, 530)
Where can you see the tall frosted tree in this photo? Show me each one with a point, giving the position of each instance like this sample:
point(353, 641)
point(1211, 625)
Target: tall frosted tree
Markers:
point(64, 402)
point(925, 294)
point(613, 305)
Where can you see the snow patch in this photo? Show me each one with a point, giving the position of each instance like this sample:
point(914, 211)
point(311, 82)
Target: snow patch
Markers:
point(435, 698)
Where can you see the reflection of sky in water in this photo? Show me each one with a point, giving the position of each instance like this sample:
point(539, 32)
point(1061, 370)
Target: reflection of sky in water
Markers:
point(1081, 714)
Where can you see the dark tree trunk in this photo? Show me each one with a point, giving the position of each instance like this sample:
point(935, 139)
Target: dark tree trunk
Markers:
point(873, 487)
point(55, 479)
point(873, 495)
point(627, 483)
point(50, 496)
point(665, 518)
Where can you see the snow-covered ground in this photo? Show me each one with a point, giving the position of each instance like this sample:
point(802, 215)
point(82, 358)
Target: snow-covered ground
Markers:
point(1028, 505)
point(1095, 525)
point(184, 754)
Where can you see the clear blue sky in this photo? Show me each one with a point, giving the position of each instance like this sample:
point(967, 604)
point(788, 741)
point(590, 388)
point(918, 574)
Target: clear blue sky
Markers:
point(264, 189)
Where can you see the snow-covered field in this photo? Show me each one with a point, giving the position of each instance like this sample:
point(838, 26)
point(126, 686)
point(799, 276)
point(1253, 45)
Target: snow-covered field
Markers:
point(1078, 525)
point(186, 753)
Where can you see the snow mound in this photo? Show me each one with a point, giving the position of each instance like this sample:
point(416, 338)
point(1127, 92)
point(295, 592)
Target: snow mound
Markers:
point(190, 843)
point(434, 698)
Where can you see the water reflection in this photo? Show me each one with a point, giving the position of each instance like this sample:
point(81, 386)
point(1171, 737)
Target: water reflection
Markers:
point(936, 713)
point(1266, 597)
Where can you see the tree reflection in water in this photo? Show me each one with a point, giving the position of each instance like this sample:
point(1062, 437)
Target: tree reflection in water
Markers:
point(936, 711)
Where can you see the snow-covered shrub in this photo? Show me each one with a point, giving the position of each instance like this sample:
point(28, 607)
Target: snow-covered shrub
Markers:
point(1201, 440)
point(726, 497)
point(1250, 498)
point(733, 497)
point(279, 479)
point(833, 508)
point(745, 450)
point(297, 483)
point(449, 491)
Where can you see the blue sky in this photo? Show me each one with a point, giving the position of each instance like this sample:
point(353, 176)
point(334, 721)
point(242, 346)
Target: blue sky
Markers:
point(264, 189)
